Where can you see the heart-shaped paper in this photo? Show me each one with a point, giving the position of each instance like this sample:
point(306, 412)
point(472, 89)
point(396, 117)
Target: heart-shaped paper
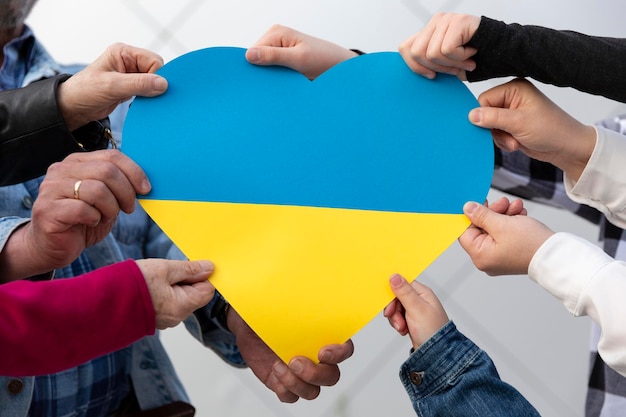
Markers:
point(308, 195)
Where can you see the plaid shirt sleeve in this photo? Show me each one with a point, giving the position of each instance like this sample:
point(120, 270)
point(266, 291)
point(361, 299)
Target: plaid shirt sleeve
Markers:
point(521, 176)
point(524, 177)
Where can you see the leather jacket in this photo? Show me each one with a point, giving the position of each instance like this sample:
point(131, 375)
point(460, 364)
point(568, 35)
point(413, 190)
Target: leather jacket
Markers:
point(33, 133)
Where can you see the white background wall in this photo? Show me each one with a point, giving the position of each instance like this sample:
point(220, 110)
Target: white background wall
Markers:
point(536, 345)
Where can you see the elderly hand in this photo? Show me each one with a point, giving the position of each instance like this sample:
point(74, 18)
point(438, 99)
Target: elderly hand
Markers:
point(77, 206)
point(301, 378)
point(177, 288)
point(120, 73)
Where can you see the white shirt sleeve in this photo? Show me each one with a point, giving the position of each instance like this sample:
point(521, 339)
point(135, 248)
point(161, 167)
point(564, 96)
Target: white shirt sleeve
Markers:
point(602, 184)
point(588, 282)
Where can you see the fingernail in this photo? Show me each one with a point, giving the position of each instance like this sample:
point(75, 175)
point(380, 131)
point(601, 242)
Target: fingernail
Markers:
point(280, 369)
point(207, 266)
point(470, 207)
point(253, 55)
point(470, 67)
point(396, 280)
point(475, 115)
point(159, 84)
point(146, 186)
point(296, 366)
point(326, 356)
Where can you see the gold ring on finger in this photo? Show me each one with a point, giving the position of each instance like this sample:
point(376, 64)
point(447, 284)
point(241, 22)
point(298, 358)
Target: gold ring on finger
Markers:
point(77, 189)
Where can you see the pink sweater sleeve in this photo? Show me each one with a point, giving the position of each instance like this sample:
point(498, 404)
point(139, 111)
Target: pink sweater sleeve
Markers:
point(49, 326)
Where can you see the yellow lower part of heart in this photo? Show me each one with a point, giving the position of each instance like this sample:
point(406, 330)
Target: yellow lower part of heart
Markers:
point(305, 277)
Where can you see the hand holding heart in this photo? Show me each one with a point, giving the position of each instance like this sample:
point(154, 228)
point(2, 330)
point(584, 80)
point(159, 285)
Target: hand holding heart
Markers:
point(308, 194)
point(289, 48)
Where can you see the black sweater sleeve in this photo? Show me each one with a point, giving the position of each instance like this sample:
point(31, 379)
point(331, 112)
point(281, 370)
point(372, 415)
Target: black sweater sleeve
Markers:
point(33, 133)
point(595, 65)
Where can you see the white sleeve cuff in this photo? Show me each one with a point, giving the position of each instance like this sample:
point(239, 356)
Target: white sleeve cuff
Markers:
point(564, 265)
point(602, 184)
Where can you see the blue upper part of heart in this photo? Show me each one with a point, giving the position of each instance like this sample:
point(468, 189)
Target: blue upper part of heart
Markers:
point(367, 134)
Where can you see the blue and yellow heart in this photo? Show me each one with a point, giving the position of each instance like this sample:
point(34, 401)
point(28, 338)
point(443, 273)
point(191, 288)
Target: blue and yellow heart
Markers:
point(308, 195)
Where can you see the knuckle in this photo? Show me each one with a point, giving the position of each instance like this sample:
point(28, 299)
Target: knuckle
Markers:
point(480, 262)
point(108, 155)
point(448, 49)
point(97, 189)
point(57, 166)
point(107, 169)
point(190, 268)
point(115, 47)
point(432, 52)
point(426, 290)
point(403, 47)
point(481, 217)
point(312, 394)
point(277, 28)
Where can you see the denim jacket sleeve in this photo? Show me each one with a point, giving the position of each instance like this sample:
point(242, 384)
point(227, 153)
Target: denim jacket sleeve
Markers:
point(205, 327)
point(450, 376)
point(8, 226)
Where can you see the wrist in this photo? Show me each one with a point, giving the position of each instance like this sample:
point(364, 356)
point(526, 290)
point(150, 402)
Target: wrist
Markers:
point(67, 107)
point(236, 325)
point(574, 161)
point(18, 259)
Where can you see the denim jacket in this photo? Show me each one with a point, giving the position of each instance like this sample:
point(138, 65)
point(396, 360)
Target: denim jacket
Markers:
point(134, 236)
point(450, 376)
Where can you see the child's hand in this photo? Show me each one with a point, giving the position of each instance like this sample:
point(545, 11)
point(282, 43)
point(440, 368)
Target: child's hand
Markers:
point(416, 310)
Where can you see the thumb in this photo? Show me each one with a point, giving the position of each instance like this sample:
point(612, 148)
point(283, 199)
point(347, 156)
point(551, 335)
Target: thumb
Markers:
point(138, 84)
point(268, 55)
point(491, 117)
point(480, 216)
point(189, 272)
point(403, 291)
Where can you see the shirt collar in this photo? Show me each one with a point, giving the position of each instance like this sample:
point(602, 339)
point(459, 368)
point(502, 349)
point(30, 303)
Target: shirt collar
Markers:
point(18, 54)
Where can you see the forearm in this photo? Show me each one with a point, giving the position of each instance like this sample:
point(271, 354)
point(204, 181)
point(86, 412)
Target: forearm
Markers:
point(208, 326)
point(18, 259)
point(563, 58)
point(588, 282)
point(76, 319)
